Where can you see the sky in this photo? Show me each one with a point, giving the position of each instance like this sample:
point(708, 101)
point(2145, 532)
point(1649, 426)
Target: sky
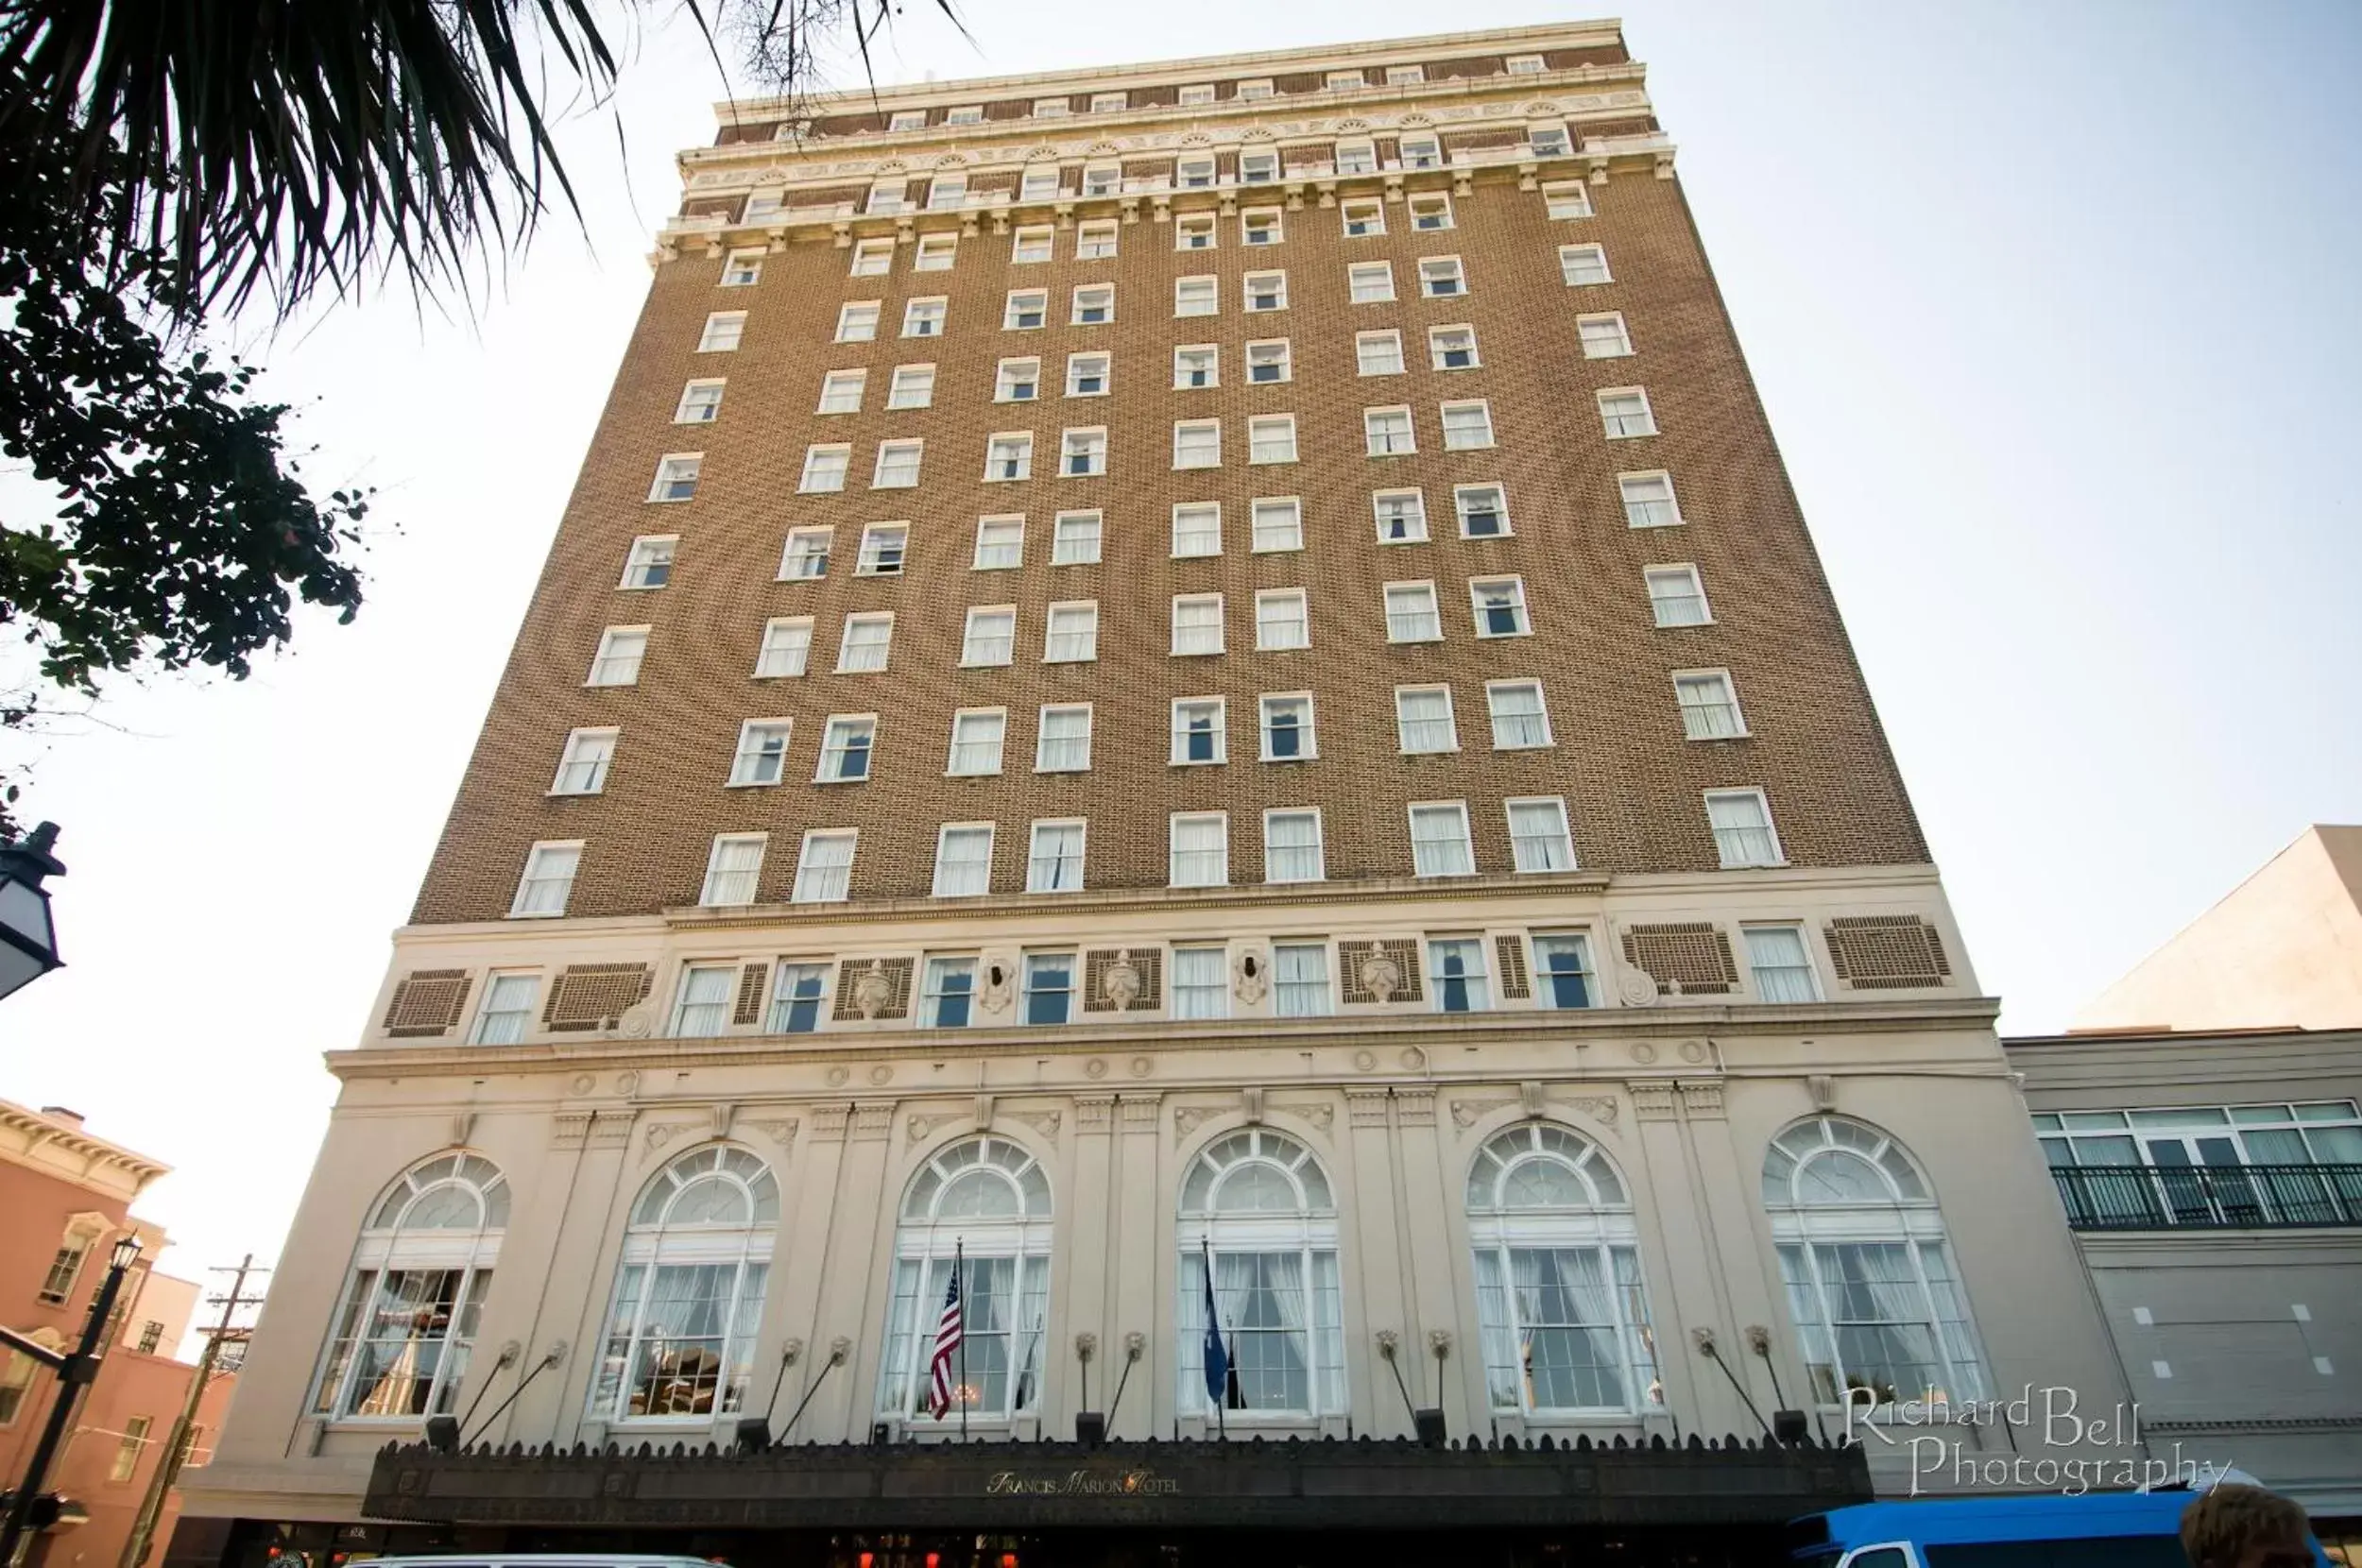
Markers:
point(2051, 307)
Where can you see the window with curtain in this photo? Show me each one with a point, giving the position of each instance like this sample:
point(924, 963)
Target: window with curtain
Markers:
point(680, 1328)
point(1560, 1300)
point(1200, 850)
point(1259, 1207)
point(1870, 1285)
point(983, 1204)
point(407, 1322)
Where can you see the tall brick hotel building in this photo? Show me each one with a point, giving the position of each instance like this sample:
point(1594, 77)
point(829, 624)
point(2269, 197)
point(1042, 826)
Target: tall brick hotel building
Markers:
point(1196, 666)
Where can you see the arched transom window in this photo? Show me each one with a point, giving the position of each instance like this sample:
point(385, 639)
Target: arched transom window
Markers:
point(1559, 1293)
point(420, 1272)
point(1257, 1204)
point(981, 1206)
point(681, 1332)
point(1870, 1277)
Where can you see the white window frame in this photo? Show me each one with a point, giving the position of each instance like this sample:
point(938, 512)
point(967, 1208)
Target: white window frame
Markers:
point(1274, 350)
point(1015, 372)
point(1247, 292)
point(1433, 270)
point(746, 758)
point(1212, 353)
point(1319, 845)
point(833, 387)
point(1260, 447)
point(1457, 440)
point(643, 558)
point(1191, 448)
point(910, 378)
point(1770, 829)
point(806, 888)
point(720, 325)
point(1414, 516)
point(1493, 690)
point(926, 315)
point(1450, 720)
point(1033, 880)
point(1018, 303)
point(1389, 338)
point(1370, 283)
point(1078, 369)
point(1187, 293)
point(1194, 513)
point(1088, 443)
point(836, 742)
point(1378, 442)
point(1603, 334)
point(776, 642)
point(1021, 443)
point(844, 643)
point(710, 894)
point(1696, 713)
point(817, 462)
point(1564, 200)
point(741, 269)
point(1198, 601)
point(695, 408)
point(969, 637)
point(1189, 226)
point(1307, 732)
point(871, 259)
point(1563, 845)
point(1524, 613)
point(673, 471)
point(1576, 259)
point(1432, 201)
point(1172, 849)
point(1180, 725)
point(1367, 211)
point(1084, 298)
point(857, 320)
point(605, 654)
point(1291, 507)
point(588, 753)
point(1609, 424)
point(1051, 633)
point(1466, 839)
point(876, 539)
point(539, 857)
point(1462, 511)
point(1060, 534)
point(1042, 738)
point(1696, 584)
point(1029, 238)
point(1434, 609)
point(791, 556)
point(1252, 218)
point(943, 838)
point(1624, 485)
point(1440, 347)
point(881, 479)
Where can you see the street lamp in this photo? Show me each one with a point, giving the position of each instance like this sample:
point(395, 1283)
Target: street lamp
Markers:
point(28, 939)
point(77, 1370)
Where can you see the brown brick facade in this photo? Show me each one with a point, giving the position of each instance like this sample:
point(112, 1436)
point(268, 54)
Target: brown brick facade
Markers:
point(1632, 781)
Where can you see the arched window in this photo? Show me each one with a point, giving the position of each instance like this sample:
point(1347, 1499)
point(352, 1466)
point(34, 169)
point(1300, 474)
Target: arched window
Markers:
point(1870, 1278)
point(681, 1332)
point(1559, 1293)
point(1259, 1205)
point(983, 1204)
point(420, 1276)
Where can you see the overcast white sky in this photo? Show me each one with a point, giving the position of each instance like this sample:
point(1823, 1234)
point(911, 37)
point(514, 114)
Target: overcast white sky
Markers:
point(2052, 306)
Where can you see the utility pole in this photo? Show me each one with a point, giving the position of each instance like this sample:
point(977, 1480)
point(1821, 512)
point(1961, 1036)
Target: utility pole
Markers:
point(176, 1448)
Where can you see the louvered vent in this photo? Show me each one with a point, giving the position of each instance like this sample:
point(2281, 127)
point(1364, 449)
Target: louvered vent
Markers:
point(1691, 958)
point(1353, 956)
point(427, 1002)
point(889, 994)
point(1149, 962)
point(1887, 952)
point(1516, 985)
point(750, 989)
point(587, 995)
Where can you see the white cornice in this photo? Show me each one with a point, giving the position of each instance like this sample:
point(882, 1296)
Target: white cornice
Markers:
point(61, 1148)
point(1175, 72)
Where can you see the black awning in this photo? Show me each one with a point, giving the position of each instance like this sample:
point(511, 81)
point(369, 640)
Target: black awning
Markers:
point(1018, 1486)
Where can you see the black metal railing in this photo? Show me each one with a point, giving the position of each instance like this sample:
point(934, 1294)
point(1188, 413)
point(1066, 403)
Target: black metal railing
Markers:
point(2156, 1198)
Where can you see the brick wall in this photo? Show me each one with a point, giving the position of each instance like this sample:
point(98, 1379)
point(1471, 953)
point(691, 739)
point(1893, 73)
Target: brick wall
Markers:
point(1632, 781)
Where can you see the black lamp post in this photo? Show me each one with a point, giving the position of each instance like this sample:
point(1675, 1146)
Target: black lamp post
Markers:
point(77, 1370)
point(28, 939)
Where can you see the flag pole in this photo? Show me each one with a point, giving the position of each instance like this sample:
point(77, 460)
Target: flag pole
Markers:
point(959, 1273)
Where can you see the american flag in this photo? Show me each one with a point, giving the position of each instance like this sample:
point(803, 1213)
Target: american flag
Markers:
point(946, 1346)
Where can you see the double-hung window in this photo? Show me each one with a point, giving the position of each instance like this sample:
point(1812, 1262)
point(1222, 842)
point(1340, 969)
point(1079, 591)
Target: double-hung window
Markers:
point(1439, 840)
point(548, 880)
point(1018, 381)
point(1563, 975)
point(1357, 157)
point(1257, 168)
point(1286, 727)
point(1431, 213)
point(649, 563)
point(1538, 840)
point(1049, 987)
point(1292, 853)
point(1025, 310)
point(914, 386)
point(1456, 973)
point(741, 269)
point(924, 317)
point(1196, 295)
point(1676, 597)
point(582, 765)
point(724, 331)
point(1032, 243)
point(873, 258)
point(947, 192)
point(989, 637)
point(845, 748)
point(1709, 704)
point(1083, 453)
point(1042, 182)
point(1363, 219)
point(733, 869)
point(1441, 277)
point(506, 1018)
point(1196, 365)
point(1063, 744)
point(1547, 141)
point(1300, 972)
point(962, 860)
point(1603, 336)
point(1648, 499)
point(1281, 620)
point(977, 734)
point(866, 641)
point(841, 391)
point(1583, 266)
point(1387, 433)
point(1271, 438)
point(1780, 963)
point(1197, 528)
point(795, 990)
point(1268, 362)
point(806, 556)
point(617, 660)
point(1200, 849)
point(700, 403)
point(1094, 304)
point(786, 647)
point(950, 983)
point(1096, 242)
point(824, 866)
point(762, 754)
point(1197, 444)
point(897, 464)
point(1422, 151)
point(1566, 200)
point(857, 322)
point(1401, 516)
point(1467, 426)
point(1624, 413)
point(1483, 514)
point(1194, 173)
point(1743, 834)
point(1073, 634)
point(1265, 291)
point(1520, 720)
point(1452, 348)
point(1074, 538)
point(1423, 720)
point(825, 469)
point(1499, 606)
point(676, 477)
point(1086, 375)
point(1279, 523)
point(1193, 231)
point(1201, 983)
point(1009, 456)
point(886, 196)
point(1196, 623)
point(1411, 615)
point(1055, 862)
point(1261, 225)
point(1378, 353)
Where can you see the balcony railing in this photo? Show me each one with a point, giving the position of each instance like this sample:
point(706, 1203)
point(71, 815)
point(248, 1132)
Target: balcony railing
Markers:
point(2158, 1198)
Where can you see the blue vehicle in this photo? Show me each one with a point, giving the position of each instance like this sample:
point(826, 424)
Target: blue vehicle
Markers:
point(2123, 1529)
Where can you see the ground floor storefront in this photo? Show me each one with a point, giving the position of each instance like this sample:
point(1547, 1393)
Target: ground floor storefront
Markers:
point(1048, 1504)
